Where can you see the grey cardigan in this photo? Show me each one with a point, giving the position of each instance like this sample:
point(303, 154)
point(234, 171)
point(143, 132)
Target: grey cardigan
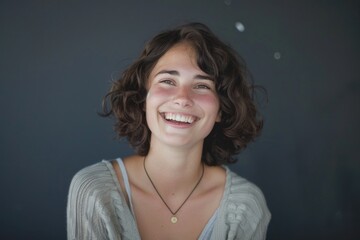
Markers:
point(97, 208)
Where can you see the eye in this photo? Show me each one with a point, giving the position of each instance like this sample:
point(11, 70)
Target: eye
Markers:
point(202, 86)
point(168, 81)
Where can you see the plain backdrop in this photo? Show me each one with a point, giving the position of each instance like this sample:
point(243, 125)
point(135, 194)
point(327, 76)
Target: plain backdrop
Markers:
point(58, 58)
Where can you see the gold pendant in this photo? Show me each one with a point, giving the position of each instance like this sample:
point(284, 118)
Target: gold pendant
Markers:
point(174, 219)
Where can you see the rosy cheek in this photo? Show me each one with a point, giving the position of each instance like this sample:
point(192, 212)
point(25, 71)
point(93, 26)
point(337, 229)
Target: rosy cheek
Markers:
point(208, 99)
point(157, 92)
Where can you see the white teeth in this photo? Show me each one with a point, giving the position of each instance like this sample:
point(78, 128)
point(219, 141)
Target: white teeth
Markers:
point(179, 117)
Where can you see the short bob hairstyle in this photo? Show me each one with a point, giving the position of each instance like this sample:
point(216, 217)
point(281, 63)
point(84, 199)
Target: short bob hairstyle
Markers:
point(240, 122)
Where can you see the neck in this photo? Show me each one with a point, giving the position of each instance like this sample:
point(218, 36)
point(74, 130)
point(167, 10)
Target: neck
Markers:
point(174, 171)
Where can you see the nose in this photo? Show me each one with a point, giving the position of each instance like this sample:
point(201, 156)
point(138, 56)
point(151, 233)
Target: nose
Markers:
point(183, 97)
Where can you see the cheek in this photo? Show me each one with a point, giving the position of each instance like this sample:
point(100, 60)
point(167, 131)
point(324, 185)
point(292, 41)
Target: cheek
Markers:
point(209, 102)
point(155, 97)
point(158, 93)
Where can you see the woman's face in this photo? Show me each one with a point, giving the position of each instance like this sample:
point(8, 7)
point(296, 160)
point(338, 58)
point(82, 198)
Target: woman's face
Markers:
point(182, 105)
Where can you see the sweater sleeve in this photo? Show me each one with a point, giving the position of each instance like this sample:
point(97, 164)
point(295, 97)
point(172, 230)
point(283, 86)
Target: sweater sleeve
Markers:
point(263, 214)
point(245, 214)
point(249, 210)
point(86, 217)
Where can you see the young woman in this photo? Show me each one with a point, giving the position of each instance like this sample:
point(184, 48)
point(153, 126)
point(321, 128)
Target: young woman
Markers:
point(186, 107)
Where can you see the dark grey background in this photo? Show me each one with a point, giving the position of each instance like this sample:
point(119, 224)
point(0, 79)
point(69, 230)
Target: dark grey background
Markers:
point(58, 59)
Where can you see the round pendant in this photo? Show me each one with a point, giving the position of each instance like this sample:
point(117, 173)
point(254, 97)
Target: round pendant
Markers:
point(174, 219)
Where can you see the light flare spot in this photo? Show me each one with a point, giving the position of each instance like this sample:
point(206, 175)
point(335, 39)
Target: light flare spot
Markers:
point(240, 27)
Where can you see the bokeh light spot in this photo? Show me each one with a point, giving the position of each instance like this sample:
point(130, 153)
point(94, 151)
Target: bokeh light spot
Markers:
point(239, 26)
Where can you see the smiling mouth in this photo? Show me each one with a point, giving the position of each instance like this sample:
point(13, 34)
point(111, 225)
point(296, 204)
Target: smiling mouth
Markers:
point(179, 118)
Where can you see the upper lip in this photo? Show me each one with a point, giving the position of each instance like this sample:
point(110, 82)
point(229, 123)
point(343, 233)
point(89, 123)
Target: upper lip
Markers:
point(179, 117)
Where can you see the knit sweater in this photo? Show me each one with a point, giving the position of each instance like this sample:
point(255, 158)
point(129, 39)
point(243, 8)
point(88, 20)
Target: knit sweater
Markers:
point(97, 208)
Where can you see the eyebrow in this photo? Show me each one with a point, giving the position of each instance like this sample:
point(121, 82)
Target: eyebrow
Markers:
point(176, 73)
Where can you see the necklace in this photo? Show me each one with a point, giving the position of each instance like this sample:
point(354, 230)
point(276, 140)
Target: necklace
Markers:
point(173, 219)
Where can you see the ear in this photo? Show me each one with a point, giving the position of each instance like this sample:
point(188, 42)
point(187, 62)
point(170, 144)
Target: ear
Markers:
point(218, 117)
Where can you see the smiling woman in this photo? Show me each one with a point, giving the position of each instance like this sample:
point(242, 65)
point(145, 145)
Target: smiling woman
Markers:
point(179, 89)
point(186, 107)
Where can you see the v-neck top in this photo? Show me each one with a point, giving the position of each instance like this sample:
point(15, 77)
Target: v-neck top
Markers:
point(206, 232)
point(97, 208)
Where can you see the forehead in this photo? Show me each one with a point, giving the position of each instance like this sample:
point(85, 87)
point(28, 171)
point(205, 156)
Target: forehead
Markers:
point(180, 55)
point(181, 49)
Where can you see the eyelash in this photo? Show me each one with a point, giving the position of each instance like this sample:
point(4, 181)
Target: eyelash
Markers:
point(198, 86)
point(167, 81)
point(202, 86)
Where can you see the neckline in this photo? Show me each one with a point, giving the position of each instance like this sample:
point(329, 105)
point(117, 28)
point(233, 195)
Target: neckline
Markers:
point(125, 178)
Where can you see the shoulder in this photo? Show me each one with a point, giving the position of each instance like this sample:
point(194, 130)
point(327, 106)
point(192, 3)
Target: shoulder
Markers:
point(93, 180)
point(244, 195)
point(93, 173)
point(95, 208)
point(245, 206)
point(239, 186)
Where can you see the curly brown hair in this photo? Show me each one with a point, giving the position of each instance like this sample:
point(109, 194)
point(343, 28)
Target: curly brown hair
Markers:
point(240, 122)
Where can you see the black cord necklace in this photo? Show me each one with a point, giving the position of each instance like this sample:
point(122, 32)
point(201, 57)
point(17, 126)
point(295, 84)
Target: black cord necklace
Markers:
point(173, 219)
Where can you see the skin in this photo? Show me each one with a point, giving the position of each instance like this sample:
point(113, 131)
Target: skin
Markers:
point(177, 89)
point(178, 86)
